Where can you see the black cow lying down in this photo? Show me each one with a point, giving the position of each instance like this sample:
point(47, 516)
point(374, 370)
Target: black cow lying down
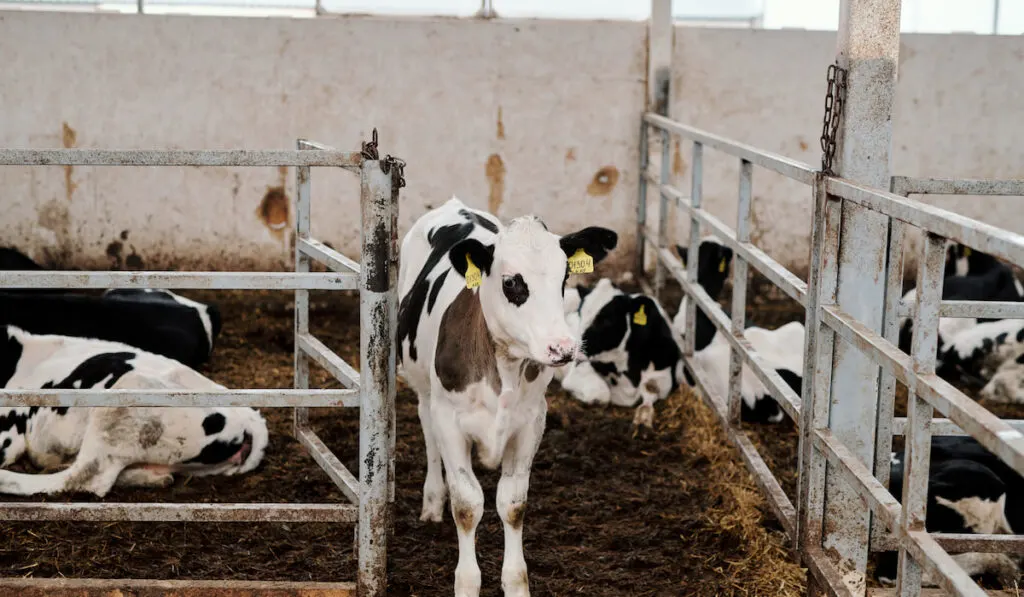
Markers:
point(158, 321)
point(969, 491)
point(140, 446)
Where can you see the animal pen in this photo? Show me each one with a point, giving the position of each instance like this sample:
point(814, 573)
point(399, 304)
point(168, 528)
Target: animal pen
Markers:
point(853, 303)
point(371, 389)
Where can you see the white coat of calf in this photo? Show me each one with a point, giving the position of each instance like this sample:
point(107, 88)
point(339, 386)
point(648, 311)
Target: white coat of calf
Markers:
point(781, 349)
point(481, 327)
point(132, 446)
point(1006, 383)
point(631, 351)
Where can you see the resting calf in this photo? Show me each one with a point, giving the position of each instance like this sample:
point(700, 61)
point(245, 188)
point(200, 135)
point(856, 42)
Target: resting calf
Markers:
point(114, 445)
point(481, 326)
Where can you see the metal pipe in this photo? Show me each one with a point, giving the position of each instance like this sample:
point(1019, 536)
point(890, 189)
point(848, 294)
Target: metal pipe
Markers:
point(739, 288)
point(303, 189)
point(659, 271)
point(377, 306)
point(158, 512)
point(693, 261)
point(641, 204)
point(174, 280)
point(175, 398)
point(179, 157)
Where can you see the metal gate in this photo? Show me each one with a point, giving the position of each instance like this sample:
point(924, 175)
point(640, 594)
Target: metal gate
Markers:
point(372, 389)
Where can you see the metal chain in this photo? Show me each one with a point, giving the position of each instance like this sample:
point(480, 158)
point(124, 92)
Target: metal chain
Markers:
point(388, 164)
point(834, 97)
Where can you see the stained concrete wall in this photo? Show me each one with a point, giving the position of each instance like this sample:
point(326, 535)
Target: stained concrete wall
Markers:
point(513, 116)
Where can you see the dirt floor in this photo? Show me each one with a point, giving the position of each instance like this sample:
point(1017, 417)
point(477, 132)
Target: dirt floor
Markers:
point(665, 513)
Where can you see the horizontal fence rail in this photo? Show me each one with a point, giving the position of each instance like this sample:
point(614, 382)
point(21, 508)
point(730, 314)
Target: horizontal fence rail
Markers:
point(372, 391)
point(930, 395)
point(176, 157)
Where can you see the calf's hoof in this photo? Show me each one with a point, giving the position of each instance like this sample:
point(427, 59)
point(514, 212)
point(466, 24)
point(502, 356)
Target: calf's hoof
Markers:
point(433, 509)
point(515, 583)
point(644, 416)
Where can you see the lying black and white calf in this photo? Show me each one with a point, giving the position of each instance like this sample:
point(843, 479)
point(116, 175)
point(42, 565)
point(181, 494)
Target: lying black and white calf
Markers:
point(969, 491)
point(138, 446)
point(781, 348)
point(974, 353)
point(631, 351)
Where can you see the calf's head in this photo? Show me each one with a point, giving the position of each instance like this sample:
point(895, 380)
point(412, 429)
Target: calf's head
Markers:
point(521, 279)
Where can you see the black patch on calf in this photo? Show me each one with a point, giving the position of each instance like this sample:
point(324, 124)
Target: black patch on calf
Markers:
point(441, 240)
point(214, 424)
point(604, 369)
point(481, 221)
point(608, 328)
point(516, 290)
point(1001, 338)
point(219, 451)
point(95, 369)
point(12, 259)
point(1020, 358)
point(650, 344)
point(10, 353)
point(435, 290)
point(17, 421)
point(596, 241)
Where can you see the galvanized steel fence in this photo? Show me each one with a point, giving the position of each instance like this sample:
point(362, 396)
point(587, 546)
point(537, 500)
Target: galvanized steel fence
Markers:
point(896, 526)
point(371, 389)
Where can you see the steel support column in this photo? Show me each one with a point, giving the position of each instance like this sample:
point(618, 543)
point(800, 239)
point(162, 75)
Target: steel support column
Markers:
point(868, 48)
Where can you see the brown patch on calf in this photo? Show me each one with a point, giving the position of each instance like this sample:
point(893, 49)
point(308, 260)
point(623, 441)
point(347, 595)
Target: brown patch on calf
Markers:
point(604, 181)
point(516, 514)
point(651, 386)
point(463, 517)
point(465, 349)
point(68, 138)
point(495, 170)
point(273, 211)
point(150, 433)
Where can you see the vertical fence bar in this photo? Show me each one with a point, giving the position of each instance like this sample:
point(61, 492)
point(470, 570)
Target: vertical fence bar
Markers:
point(302, 219)
point(641, 204)
point(692, 261)
point(377, 302)
point(917, 450)
point(868, 48)
point(818, 352)
point(739, 288)
point(890, 331)
point(666, 157)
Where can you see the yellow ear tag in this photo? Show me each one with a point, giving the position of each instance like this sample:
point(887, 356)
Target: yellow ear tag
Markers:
point(721, 266)
point(967, 251)
point(473, 276)
point(581, 263)
point(640, 318)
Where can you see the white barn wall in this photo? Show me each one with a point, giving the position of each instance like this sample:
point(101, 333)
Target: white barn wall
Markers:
point(517, 115)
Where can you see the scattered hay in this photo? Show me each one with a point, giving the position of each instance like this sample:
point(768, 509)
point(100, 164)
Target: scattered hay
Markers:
point(761, 564)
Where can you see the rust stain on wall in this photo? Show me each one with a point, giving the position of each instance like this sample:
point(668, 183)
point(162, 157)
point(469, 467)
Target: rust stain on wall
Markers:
point(501, 125)
point(495, 170)
point(282, 175)
point(678, 165)
point(802, 142)
point(604, 181)
point(274, 211)
point(54, 216)
point(570, 154)
point(69, 138)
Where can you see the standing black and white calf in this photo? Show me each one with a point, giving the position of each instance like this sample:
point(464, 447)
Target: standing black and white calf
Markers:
point(781, 348)
point(631, 350)
point(139, 446)
point(969, 491)
point(481, 326)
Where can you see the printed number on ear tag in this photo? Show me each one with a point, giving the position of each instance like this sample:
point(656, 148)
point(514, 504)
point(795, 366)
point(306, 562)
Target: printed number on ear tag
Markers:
point(473, 276)
point(721, 266)
point(640, 318)
point(581, 263)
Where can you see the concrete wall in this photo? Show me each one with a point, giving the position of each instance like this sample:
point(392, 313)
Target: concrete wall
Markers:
point(514, 116)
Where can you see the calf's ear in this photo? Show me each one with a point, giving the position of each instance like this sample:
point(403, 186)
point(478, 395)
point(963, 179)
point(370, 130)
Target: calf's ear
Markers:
point(596, 241)
point(471, 250)
point(683, 252)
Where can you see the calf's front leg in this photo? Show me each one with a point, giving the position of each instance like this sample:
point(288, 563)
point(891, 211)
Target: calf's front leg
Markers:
point(511, 503)
point(466, 496)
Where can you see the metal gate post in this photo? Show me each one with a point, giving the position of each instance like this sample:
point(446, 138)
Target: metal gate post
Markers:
point(302, 218)
point(868, 48)
point(641, 204)
point(378, 276)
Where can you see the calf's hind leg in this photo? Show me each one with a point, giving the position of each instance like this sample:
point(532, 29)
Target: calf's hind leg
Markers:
point(434, 491)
